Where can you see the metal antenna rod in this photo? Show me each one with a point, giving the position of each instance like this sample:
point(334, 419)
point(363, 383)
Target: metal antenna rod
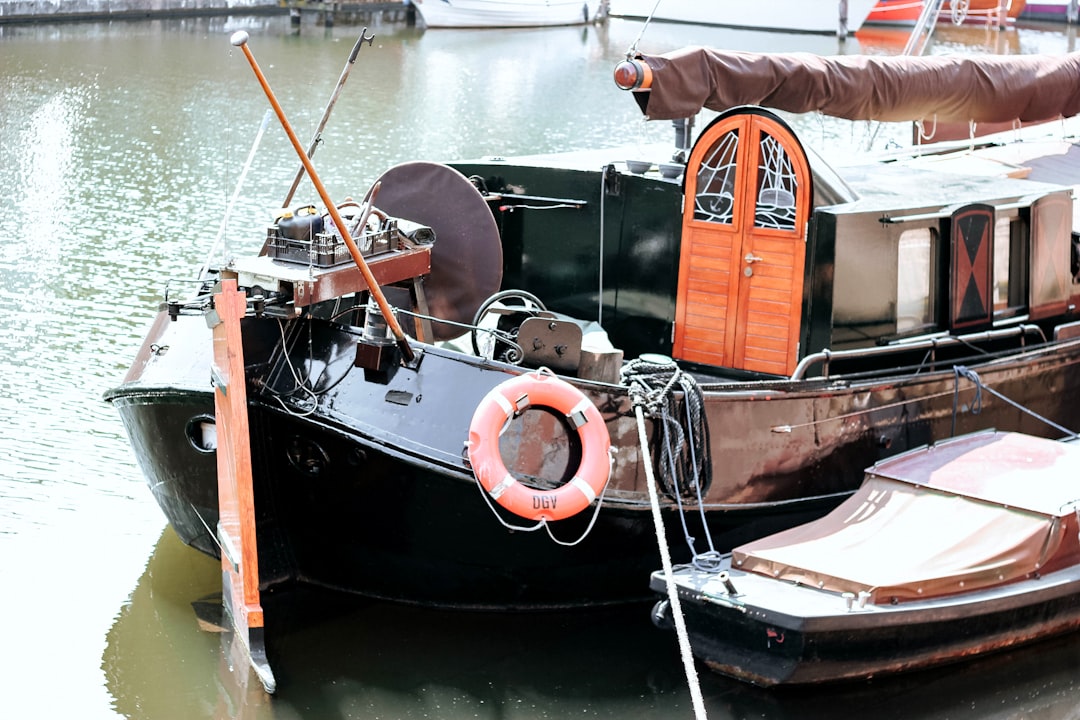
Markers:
point(235, 196)
point(317, 137)
point(632, 50)
point(240, 39)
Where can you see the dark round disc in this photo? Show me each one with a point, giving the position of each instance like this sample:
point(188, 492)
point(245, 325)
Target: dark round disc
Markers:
point(466, 260)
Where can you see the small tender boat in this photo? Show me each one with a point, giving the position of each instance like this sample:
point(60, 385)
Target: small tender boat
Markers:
point(793, 16)
point(907, 12)
point(946, 552)
point(506, 13)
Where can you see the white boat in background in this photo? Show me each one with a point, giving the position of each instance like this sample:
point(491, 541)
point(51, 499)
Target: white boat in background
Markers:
point(1052, 10)
point(506, 13)
point(807, 16)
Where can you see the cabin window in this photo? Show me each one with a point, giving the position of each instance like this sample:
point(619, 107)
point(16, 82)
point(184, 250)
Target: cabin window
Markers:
point(914, 307)
point(777, 187)
point(1010, 266)
point(1002, 252)
point(715, 200)
point(883, 287)
point(1074, 260)
point(1074, 268)
point(1051, 235)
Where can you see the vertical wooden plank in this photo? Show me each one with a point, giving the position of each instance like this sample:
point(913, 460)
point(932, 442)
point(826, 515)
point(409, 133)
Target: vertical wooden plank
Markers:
point(236, 499)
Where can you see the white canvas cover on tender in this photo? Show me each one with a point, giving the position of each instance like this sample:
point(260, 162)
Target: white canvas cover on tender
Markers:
point(969, 513)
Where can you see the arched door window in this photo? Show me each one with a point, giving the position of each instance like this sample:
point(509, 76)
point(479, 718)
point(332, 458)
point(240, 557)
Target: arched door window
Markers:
point(743, 249)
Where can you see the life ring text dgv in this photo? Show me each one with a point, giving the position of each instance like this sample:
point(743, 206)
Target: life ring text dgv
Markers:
point(539, 389)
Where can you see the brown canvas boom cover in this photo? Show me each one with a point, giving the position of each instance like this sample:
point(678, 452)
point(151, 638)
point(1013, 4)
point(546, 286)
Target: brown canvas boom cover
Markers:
point(982, 89)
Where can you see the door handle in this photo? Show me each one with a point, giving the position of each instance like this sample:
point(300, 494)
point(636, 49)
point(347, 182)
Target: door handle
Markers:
point(752, 258)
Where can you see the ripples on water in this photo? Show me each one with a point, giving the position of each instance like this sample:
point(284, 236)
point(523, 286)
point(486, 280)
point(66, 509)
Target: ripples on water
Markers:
point(121, 145)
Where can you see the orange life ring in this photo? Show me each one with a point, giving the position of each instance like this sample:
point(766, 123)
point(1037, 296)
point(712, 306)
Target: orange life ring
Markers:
point(488, 422)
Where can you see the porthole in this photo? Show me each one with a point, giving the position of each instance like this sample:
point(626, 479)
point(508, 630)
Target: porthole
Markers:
point(201, 433)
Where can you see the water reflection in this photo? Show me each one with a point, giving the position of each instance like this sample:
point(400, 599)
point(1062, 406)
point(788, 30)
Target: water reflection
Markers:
point(338, 657)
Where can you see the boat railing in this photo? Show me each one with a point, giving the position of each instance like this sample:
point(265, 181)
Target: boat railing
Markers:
point(528, 202)
point(947, 211)
point(825, 358)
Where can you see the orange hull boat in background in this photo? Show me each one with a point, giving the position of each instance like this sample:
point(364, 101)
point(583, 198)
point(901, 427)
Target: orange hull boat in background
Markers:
point(907, 12)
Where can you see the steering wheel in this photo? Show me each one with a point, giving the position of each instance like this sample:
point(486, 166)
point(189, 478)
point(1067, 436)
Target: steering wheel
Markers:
point(497, 321)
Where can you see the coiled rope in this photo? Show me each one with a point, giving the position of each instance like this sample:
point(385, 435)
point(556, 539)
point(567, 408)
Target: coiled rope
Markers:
point(685, 460)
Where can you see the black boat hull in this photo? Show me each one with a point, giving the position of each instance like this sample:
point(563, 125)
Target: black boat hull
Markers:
point(371, 492)
point(382, 526)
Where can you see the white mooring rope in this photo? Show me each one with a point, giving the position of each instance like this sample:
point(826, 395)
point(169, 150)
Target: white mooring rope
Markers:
point(665, 558)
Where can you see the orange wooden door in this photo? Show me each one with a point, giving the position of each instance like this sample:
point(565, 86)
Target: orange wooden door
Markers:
point(740, 296)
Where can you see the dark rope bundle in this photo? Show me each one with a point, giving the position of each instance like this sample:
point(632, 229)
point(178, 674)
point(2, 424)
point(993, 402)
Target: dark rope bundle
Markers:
point(684, 463)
